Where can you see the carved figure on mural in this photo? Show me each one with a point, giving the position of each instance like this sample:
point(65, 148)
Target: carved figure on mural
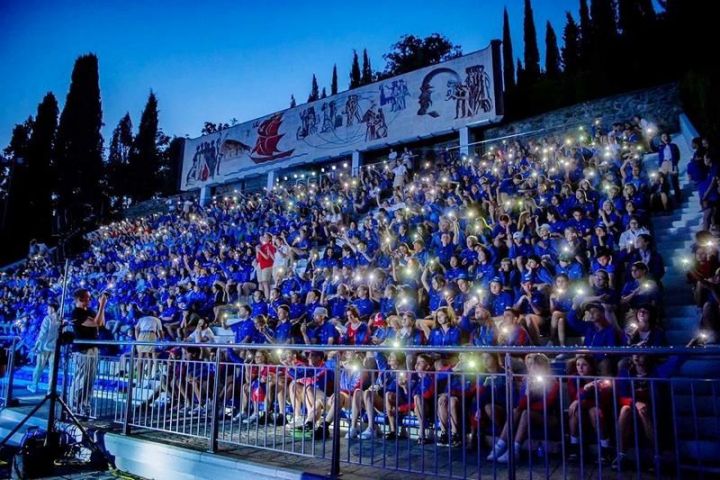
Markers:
point(478, 84)
point(329, 113)
point(375, 126)
point(470, 95)
point(352, 110)
point(458, 92)
point(396, 97)
point(308, 123)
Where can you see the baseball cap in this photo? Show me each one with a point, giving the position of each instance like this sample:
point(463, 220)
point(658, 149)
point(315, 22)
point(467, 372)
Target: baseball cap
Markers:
point(320, 311)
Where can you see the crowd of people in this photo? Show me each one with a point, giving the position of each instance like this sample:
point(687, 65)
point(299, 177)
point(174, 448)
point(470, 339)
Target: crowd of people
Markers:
point(542, 241)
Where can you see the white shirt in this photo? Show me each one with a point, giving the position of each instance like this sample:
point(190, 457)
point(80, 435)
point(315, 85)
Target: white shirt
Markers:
point(628, 236)
point(48, 334)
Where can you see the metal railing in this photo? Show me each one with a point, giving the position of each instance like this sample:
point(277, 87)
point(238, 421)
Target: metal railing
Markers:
point(501, 412)
point(7, 368)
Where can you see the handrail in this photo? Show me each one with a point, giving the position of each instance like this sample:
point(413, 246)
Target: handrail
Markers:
point(660, 351)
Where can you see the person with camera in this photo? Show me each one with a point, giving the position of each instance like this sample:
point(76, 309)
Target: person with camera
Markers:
point(86, 325)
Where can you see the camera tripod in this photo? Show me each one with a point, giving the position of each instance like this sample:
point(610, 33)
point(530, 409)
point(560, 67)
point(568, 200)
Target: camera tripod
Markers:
point(52, 439)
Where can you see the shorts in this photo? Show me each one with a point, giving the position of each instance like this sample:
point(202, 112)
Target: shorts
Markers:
point(146, 337)
point(257, 391)
point(264, 274)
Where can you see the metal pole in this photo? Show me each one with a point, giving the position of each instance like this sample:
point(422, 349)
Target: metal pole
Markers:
point(55, 368)
point(129, 398)
point(510, 419)
point(10, 374)
point(335, 467)
point(214, 409)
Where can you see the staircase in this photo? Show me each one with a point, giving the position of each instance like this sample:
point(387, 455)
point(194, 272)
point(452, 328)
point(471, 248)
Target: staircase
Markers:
point(696, 405)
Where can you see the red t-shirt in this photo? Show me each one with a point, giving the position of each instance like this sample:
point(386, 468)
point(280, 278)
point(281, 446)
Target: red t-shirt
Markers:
point(269, 250)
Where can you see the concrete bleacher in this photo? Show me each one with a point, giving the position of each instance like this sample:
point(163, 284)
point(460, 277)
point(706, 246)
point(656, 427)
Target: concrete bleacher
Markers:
point(697, 409)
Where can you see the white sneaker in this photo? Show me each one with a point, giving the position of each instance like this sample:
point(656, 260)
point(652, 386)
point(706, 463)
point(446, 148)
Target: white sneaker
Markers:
point(352, 433)
point(368, 434)
point(251, 419)
point(295, 422)
point(496, 452)
point(197, 411)
point(239, 416)
point(504, 457)
point(32, 388)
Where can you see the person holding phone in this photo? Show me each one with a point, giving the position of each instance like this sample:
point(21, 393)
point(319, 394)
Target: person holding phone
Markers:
point(86, 325)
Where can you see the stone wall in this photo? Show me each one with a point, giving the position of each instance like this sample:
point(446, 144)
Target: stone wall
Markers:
point(660, 105)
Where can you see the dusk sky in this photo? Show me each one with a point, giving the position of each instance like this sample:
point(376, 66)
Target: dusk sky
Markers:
point(219, 60)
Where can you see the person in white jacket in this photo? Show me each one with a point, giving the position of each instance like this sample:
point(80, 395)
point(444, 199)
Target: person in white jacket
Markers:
point(44, 348)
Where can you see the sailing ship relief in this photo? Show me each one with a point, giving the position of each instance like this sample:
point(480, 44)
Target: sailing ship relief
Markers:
point(266, 146)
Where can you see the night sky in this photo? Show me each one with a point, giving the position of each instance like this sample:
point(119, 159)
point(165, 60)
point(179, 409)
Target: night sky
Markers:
point(219, 60)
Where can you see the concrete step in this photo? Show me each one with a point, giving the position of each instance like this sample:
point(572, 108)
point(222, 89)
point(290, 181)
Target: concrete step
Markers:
point(705, 367)
point(703, 406)
point(682, 323)
point(700, 450)
point(679, 337)
point(703, 428)
point(678, 311)
point(682, 223)
point(9, 418)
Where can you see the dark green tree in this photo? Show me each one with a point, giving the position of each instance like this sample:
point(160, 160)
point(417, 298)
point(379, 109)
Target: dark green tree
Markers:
point(355, 71)
point(604, 24)
point(293, 103)
point(14, 221)
point(367, 74)
point(532, 54)
point(323, 93)
point(122, 141)
point(571, 47)
point(411, 53)
point(144, 157)
point(118, 160)
point(552, 54)
point(171, 159)
point(635, 16)
point(334, 82)
point(586, 35)
point(40, 168)
point(79, 144)
point(314, 90)
point(520, 72)
point(507, 54)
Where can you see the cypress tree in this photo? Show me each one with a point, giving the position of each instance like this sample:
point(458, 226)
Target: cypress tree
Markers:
point(586, 35)
point(532, 55)
point(119, 157)
point(293, 103)
point(366, 69)
point(314, 90)
point(79, 144)
point(520, 73)
point(144, 157)
point(507, 53)
point(571, 48)
point(40, 168)
point(323, 94)
point(14, 219)
point(603, 22)
point(355, 72)
point(334, 82)
point(552, 55)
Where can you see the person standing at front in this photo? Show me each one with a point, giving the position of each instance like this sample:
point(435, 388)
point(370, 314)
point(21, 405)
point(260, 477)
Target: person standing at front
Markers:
point(45, 345)
point(86, 324)
point(265, 258)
